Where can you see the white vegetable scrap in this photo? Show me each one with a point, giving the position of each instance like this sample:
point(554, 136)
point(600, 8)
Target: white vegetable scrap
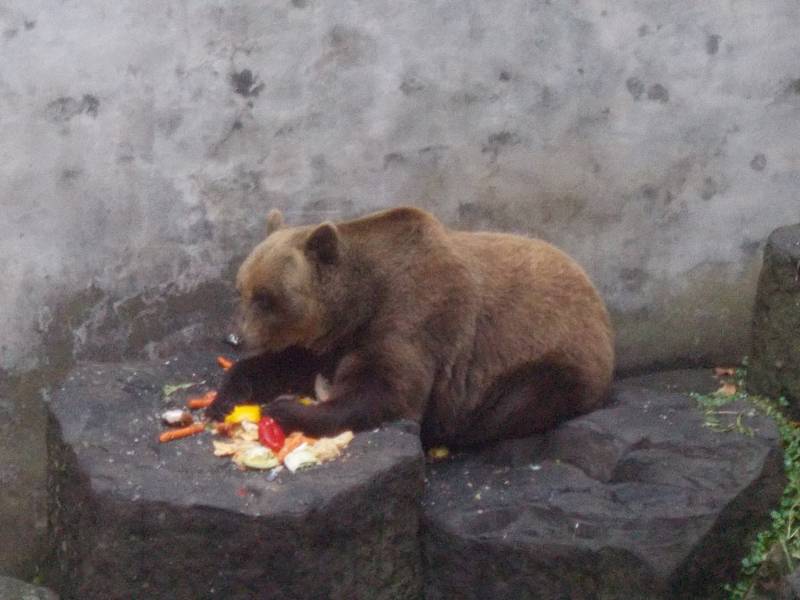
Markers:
point(248, 431)
point(177, 417)
point(329, 448)
point(226, 448)
point(300, 457)
point(256, 457)
point(246, 451)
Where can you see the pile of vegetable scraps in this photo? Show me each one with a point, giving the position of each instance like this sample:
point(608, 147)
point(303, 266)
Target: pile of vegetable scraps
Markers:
point(251, 440)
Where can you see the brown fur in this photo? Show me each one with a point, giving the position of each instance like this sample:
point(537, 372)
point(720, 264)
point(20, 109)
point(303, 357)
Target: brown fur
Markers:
point(477, 336)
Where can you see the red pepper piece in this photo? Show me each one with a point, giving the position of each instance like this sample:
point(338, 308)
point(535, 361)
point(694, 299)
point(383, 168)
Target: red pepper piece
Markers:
point(270, 434)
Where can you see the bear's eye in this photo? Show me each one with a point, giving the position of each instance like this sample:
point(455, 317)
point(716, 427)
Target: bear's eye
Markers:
point(264, 300)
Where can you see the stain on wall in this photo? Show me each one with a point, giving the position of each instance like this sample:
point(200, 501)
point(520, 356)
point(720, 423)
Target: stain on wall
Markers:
point(658, 92)
point(65, 108)
point(635, 87)
point(712, 43)
point(759, 162)
point(246, 84)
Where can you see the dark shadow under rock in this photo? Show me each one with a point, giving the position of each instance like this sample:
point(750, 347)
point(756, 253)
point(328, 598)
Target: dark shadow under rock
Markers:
point(132, 518)
point(638, 500)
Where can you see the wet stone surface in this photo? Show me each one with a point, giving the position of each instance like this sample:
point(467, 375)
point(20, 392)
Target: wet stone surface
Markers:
point(638, 500)
point(135, 518)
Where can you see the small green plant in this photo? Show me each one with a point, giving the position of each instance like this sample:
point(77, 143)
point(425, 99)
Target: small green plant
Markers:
point(782, 537)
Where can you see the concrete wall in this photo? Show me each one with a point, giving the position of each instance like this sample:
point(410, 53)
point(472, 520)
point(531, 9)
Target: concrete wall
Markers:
point(142, 142)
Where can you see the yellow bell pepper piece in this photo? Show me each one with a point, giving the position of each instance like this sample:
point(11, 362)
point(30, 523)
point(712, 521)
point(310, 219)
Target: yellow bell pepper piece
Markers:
point(438, 452)
point(244, 412)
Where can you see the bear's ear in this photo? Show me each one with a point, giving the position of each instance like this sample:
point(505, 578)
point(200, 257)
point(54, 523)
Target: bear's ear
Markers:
point(274, 221)
point(323, 243)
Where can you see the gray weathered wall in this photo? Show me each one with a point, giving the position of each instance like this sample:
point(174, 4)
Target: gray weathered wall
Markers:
point(142, 141)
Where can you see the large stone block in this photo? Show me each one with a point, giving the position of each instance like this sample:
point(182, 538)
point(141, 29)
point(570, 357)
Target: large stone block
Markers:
point(132, 518)
point(639, 500)
point(775, 358)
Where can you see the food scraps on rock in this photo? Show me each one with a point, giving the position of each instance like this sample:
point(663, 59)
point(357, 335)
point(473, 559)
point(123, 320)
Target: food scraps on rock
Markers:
point(177, 417)
point(203, 401)
point(300, 457)
point(438, 453)
point(325, 449)
point(298, 451)
point(270, 434)
point(171, 388)
point(294, 440)
point(233, 340)
point(724, 371)
point(256, 457)
point(182, 432)
point(253, 441)
point(224, 362)
point(244, 412)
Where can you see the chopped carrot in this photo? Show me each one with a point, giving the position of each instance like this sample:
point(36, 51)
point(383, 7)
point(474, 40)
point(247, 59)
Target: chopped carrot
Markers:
point(225, 429)
point(225, 363)
point(724, 371)
point(176, 434)
point(293, 440)
point(203, 401)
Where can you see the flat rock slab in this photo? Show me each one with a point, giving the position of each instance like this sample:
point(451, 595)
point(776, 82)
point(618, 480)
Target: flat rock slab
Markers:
point(14, 589)
point(638, 500)
point(133, 518)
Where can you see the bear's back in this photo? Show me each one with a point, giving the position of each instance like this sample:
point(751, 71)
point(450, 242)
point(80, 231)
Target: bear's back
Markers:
point(534, 303)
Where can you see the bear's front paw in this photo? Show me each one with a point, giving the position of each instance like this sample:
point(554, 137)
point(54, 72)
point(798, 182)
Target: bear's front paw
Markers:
point(233, 391)
point(217, 410)
point(288, 412)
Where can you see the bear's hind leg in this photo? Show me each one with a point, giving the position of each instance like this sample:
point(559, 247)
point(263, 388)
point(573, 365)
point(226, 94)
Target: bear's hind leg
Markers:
point(533, 399)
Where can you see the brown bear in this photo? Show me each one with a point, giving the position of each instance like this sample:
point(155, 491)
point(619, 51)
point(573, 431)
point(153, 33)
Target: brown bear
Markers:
point(475, 336)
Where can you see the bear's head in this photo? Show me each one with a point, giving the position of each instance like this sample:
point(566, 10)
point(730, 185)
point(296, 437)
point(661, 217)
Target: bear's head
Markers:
point(283, 285)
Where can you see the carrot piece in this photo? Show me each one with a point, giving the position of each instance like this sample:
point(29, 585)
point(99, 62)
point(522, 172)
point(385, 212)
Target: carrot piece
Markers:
point(225, 429)
point(203, 401)
point(176, 434)
point(225, 363)
point(293, 440)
